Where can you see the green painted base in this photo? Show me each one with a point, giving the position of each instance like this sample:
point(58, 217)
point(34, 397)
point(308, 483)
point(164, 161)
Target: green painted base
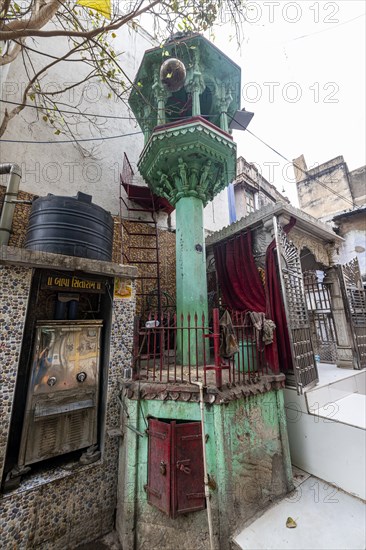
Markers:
point(248, 462)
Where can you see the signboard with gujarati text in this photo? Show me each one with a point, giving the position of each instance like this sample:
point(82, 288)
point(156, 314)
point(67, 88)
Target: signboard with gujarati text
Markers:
point(73, 283)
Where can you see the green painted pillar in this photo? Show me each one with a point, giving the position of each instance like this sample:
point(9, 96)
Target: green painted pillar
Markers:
point(191, 275)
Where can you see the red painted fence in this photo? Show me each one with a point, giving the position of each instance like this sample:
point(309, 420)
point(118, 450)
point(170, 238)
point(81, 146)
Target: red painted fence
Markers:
point(157, 342)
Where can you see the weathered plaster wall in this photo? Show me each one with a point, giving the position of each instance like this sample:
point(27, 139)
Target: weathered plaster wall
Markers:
point(260, 200)
point(64, 169)
point(265, 192)
point(248, 463)
point(216, 213)
point(250, 173)
point(316, 199)
point(353, 230)
point(358, 185)
point(59, 508)
point(240, 202)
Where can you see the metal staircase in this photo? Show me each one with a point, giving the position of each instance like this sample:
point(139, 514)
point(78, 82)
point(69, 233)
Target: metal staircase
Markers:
point(140, 247)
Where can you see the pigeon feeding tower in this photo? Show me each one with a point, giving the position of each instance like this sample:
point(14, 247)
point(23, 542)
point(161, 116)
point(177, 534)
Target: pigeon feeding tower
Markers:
point(184, 97)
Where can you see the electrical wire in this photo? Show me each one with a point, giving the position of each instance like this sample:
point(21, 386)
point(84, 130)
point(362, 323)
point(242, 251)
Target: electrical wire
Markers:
point(68, 112)
point(339, 195)
point(325, 29)
point(56, 142)
point(95, 115)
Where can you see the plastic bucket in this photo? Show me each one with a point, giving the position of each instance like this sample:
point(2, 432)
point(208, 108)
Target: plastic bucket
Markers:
point(246, 360)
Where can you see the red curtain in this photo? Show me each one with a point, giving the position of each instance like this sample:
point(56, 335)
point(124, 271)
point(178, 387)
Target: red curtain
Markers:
point(242, 290)
point(240, 283)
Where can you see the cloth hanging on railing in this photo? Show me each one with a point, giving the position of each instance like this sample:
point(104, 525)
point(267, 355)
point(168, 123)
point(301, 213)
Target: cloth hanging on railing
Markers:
point(229, 345)
point(264, 328)
point(268, 331)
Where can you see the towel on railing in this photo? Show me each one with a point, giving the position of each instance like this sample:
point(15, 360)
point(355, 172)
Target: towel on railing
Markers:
point(228, 345)
point(264, 327)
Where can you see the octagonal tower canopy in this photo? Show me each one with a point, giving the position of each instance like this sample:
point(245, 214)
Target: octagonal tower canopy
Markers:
point(211, 88)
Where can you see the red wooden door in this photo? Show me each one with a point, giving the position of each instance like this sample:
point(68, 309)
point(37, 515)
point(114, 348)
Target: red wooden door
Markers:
point(187, 468)
point(159, 459)
point(175, 467)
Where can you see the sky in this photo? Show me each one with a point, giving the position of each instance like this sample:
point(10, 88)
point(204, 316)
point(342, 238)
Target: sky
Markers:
point(303, 75)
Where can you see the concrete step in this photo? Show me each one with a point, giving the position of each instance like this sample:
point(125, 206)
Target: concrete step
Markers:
point(349, 410)
point(341, 400)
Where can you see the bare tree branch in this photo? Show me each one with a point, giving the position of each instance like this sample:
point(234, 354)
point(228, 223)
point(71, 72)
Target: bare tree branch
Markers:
point(10, 115)
point(40, 17)
point(45, 54)
point(4, 7)
point(17, 29)
point(14, 52)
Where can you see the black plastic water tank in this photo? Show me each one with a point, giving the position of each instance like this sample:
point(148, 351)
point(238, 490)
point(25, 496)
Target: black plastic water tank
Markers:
point(73, 226)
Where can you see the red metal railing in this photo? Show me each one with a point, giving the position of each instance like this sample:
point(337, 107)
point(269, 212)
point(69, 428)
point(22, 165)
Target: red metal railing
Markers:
point(158, 355)
point(127, 172)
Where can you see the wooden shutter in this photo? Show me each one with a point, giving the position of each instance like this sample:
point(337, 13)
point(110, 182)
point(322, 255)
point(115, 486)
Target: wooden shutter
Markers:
point(187, 468)
point(175, 467)
point(159, 458)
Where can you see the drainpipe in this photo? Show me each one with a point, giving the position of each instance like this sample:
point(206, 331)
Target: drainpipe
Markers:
point(205, 476)
point(11, 194)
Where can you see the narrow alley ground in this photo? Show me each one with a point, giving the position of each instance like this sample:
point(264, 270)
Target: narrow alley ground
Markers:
point(327, 519)
point(108, 542)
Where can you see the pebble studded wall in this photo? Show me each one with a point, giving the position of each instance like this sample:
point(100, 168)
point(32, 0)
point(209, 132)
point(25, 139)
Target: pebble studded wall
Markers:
point(58, 508)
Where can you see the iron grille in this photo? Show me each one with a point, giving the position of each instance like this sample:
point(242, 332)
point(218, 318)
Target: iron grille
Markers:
point(47, 437)
point(355, 302)
point(293, 293)
point(322, 326)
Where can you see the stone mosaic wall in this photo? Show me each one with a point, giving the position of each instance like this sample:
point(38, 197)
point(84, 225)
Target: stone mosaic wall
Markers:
point(14, 290)
point(166, 241)
point(167, 262)
point(62, 507)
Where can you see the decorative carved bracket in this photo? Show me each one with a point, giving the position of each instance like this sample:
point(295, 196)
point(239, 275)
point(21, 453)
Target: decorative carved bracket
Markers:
point(188, 182)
